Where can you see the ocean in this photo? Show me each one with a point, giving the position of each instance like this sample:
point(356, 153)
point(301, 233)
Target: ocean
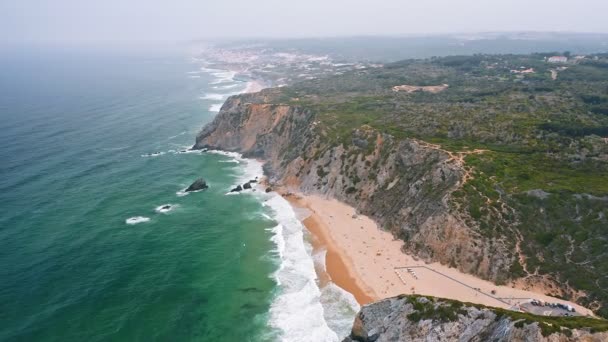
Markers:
point(93, 144)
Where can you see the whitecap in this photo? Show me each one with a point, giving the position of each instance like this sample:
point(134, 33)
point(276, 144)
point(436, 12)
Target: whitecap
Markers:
point(223, 77)
point(229, 86)
point(189, 151)
point(136, 220)
point(209, 70)
point(165, 208)
point(212, 96)
point(155, 154)
point(177, 135)
point(215, 107)
point(114, 148)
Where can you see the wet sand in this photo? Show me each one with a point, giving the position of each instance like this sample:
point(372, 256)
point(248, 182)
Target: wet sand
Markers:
point(362, 259)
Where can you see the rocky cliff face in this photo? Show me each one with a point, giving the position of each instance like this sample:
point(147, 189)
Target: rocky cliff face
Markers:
point(405, 185)
point(417, 318)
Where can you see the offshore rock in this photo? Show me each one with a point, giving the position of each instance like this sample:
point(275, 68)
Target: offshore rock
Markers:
point(198, 184)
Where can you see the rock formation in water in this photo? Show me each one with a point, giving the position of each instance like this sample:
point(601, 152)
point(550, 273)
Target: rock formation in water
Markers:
point(198, 185)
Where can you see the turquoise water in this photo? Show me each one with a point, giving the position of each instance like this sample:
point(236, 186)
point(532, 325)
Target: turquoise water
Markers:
point(93, 144)
point(73, 129)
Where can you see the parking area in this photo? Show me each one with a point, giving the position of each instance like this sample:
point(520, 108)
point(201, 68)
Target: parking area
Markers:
point(548, 309)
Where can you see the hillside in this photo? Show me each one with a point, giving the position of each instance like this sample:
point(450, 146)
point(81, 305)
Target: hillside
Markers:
point(495, 165)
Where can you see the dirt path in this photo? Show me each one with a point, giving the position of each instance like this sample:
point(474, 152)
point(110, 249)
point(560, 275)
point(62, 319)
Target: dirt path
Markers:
point(455, 157)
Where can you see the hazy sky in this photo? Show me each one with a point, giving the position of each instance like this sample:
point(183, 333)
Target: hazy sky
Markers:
point(163, 20)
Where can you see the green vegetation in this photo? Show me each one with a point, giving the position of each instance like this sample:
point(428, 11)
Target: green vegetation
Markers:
point(543, 177)
point(447, 310)
point(434, 311)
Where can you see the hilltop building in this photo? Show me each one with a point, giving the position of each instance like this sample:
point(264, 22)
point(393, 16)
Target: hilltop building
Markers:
point(557, 59)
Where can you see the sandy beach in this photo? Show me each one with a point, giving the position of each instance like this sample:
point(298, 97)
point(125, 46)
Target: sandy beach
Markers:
point(369, 263)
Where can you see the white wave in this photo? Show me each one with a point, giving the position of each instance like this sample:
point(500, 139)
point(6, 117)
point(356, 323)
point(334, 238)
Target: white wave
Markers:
point(340, 309)
point(165, 208)
point(114, 148)
point(229, 86)
point(319, 259)
point(215, 107)
point(251, 170)
point(183, 192)
point(194, 76)
point(297, 311)
point(210, 70)
point(301, 311)
point(183, 150)
point(137, 219)
point(223, 77)
point(177, 135)
point(155, 154)
point(234, 155)
point(189, 151)
point(211, 96)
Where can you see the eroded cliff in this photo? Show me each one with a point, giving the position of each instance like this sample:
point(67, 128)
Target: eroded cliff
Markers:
point(406, 185)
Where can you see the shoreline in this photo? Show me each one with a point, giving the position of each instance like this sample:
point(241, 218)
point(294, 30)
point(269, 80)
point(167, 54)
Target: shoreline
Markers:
point(338, 267)
point(368, 262)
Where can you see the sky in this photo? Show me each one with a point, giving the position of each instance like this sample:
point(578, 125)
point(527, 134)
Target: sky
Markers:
point(90, 21)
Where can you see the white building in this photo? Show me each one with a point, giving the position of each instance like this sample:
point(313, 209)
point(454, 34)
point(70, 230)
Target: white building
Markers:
point(557, 59)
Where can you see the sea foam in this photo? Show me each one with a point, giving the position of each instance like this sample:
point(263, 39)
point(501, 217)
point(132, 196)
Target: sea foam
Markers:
point(229, 86)
point(137, 219)
point(215, 107)
point(165, 208)
point(301, 311)
point(297, 311)
point(212, 96)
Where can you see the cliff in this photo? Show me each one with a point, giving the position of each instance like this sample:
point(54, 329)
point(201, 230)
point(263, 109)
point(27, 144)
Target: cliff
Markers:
point(405, 185)
point(499, 175)
point(418, 318)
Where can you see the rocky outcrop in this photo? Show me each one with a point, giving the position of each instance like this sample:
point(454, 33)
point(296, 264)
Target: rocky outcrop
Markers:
point(405, 185)
point(198, 185)
point(418, 318)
